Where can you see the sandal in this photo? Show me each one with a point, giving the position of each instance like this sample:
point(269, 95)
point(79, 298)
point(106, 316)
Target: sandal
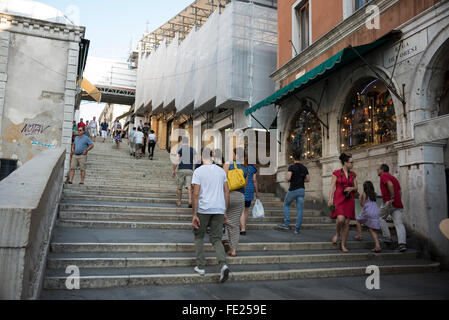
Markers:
point(81, 182)
point(68, 182)
point(376, 250)
point(358, 238)
point(344, 250)
point(334, 242)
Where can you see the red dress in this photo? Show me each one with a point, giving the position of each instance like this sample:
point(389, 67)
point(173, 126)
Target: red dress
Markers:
point(343, 206)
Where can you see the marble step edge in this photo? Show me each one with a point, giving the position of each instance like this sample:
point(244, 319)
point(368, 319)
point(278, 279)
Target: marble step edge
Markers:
point(173, 217)
point(173, 199)
point(87, 247)
point(174, 279)
point(99, 224)
point(118, 188)
point(64, 206)
point(93, 263)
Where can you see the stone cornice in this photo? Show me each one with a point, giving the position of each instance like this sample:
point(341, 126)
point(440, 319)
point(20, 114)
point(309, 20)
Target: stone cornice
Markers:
point(330, 39)
point(41, 28)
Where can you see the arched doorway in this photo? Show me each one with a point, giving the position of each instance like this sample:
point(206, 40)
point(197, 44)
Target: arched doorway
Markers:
point(305, 135)
point(368, 116)
point(438, 89)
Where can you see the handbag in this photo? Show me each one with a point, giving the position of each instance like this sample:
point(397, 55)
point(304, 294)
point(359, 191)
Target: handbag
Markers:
point(258, 211)
point(236, 178)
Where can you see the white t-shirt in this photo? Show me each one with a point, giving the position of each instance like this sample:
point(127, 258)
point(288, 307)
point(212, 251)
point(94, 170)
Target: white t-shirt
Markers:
point(138, 137)
point(211, 179)
point(93, 124)
point(152, 137)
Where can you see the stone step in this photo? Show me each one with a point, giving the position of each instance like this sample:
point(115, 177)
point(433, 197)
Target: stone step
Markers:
point(131, 182)
point(159, 207)
point(153, 262)
point(166, 193)
point(68, 215)
point(190, 247)
point(171, 200)
point(170, 225)
point(108, 278)
point(114, 188)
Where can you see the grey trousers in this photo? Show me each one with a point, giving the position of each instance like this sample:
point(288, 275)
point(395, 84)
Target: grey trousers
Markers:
point(236, 206)
point(215, 221)
point(396, 214)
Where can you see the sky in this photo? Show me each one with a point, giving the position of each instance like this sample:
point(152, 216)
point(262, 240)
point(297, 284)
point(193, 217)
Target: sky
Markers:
point(114, 27)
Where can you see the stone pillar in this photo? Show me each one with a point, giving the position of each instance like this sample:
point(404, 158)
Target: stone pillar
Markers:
point(4, 51)
point(69, 102)
point(422, 179)
point(162, 136)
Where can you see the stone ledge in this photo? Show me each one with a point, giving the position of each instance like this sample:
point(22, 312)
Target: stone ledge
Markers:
point(42, 28)
point(29, 199)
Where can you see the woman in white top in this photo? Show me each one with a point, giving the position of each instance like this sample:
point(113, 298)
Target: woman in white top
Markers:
point(151, 143)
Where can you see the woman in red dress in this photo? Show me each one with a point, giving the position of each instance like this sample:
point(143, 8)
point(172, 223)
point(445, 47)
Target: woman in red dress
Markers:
point(341, 195)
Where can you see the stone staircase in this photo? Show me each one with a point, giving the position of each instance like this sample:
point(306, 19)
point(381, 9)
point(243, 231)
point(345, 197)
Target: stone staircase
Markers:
point(122, 228)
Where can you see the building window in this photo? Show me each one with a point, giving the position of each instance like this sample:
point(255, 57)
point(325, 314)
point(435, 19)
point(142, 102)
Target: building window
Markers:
point(368, 117)
point(305, 136)
point(302, 15)
point(359, 3)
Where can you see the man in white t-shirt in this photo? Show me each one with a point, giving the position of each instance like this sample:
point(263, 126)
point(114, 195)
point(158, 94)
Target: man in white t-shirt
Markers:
point(93, 125)
point(138, 142)
point(210, 204)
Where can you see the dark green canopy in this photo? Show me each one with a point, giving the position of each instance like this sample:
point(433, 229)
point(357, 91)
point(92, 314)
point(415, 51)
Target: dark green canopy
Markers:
point(332, 64)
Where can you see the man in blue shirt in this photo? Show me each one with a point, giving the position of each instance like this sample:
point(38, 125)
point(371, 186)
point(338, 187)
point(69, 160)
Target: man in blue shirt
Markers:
point(80, 148)
point(183, 169)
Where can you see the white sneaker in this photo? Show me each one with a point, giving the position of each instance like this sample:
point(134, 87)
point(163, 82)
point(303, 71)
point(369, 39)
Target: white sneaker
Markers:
point(201, 272)
point(224, 275)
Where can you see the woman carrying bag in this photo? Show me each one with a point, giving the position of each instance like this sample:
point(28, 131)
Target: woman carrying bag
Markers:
point(251, 186)
point(237, 176)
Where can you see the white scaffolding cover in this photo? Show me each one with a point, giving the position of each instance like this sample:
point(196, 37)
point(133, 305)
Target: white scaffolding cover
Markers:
point(228, 59)
point(170, 76)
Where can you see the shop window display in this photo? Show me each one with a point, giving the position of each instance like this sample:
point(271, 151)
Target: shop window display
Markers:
point(368, 117)
point(305, 136)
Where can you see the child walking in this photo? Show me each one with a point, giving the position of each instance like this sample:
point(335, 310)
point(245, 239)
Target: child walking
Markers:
point(369, 215)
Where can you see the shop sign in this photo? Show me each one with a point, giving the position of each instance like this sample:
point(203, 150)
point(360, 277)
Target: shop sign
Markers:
point(410, 47)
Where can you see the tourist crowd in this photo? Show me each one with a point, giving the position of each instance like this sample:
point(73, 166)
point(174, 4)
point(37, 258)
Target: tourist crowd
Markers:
point(220, 193)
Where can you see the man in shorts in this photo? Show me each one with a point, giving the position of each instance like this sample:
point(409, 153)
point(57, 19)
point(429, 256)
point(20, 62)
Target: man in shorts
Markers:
point(183, 169)
point(80, 148)
point(138, 142)
point(104, 130)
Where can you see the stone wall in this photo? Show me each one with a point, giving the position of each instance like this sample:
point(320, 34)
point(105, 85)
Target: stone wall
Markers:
point(29, 199)
point(38, 73)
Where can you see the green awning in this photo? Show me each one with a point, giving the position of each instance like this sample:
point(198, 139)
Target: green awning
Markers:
point(332, 64)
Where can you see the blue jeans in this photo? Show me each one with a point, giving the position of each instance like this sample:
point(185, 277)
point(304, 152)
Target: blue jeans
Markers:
point(297, 195)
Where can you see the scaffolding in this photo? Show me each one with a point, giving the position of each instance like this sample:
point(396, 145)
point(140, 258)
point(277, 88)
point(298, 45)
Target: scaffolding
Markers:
point(227, 60)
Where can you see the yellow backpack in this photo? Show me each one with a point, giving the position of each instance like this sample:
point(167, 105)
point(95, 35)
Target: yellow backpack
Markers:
point(236, 178)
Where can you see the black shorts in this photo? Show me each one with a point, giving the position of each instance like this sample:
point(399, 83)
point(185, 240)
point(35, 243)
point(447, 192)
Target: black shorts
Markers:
point(247, 204)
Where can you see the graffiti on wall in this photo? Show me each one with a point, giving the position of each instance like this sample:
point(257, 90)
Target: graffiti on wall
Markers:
point(40, 144)
point(34, 128)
